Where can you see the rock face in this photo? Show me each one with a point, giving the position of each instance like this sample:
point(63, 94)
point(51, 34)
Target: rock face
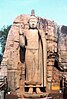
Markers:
point(14, 56)
point(62, 48)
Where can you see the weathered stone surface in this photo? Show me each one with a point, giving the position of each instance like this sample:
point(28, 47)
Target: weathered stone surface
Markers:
point(3, 71)
point(42, 95)
point(62, 46)
point(13, 76)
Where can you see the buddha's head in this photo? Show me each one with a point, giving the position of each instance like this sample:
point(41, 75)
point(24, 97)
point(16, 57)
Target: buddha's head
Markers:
point(33, 20)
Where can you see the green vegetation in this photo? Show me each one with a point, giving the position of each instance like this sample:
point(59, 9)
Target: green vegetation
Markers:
point(4, 31)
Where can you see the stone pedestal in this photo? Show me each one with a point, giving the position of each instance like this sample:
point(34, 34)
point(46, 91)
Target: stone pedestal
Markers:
point(34, 95)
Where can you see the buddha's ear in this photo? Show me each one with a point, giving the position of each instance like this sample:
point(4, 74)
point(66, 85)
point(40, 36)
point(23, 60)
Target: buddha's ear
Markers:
point(28, 22)
point(37, 25)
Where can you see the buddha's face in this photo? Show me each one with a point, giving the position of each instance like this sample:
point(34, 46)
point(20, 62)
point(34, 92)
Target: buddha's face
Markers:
point(33, 22)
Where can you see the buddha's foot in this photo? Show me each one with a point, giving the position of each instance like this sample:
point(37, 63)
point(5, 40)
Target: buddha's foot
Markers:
point(38, 91)
point(30, 90)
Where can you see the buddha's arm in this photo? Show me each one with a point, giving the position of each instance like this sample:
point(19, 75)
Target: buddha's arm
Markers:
point(22, 40)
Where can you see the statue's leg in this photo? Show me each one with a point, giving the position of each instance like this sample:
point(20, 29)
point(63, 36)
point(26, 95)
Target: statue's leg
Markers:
point(38, 89)
point(30, 89)
point(37, 68)
point(29, 70)
point(28, 62)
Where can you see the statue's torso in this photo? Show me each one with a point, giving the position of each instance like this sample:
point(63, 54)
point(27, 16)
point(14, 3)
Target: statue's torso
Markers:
point(32, 39)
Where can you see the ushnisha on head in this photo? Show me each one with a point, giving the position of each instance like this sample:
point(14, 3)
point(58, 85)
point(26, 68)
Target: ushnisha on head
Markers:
point(33, 21)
